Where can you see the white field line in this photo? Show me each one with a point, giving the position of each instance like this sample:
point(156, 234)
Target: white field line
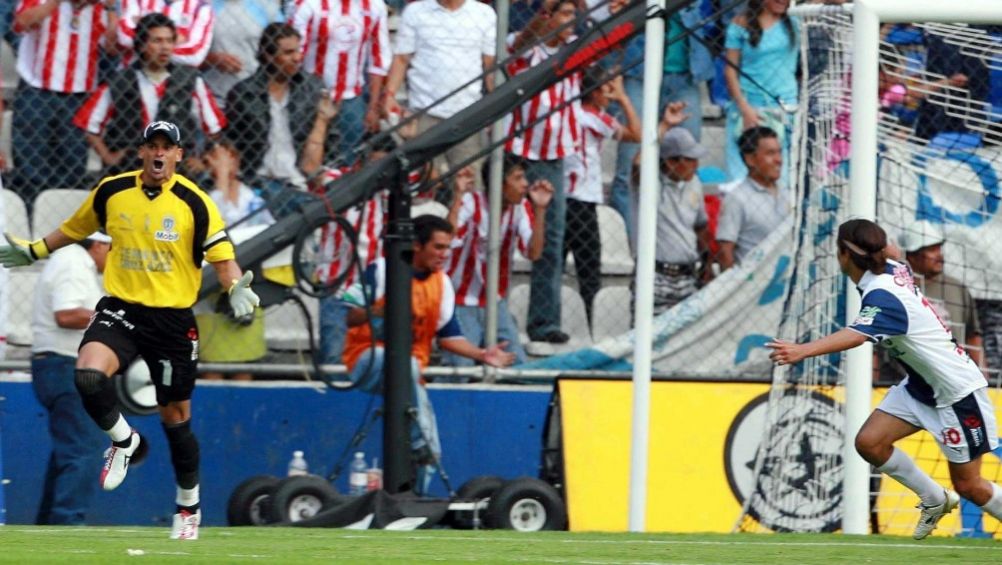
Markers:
point(695, 542)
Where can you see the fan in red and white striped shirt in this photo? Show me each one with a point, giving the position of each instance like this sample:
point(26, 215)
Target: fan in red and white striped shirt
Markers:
point(342, 40)
point(60, 52)
point(556, 136)
point(192, 18)
point(98, 109)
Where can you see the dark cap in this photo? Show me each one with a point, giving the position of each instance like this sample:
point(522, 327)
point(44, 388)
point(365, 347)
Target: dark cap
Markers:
point(166, 129)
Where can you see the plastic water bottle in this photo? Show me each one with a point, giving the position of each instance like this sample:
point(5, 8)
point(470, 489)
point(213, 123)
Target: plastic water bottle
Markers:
point(298, 466)
point(375, 476)
point(358, 479)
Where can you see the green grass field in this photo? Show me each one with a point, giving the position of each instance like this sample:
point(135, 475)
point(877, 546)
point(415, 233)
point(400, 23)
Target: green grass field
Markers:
point(24, 544)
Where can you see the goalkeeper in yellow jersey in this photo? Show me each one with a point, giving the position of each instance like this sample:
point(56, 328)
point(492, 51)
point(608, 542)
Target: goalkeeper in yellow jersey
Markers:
point(162, 227)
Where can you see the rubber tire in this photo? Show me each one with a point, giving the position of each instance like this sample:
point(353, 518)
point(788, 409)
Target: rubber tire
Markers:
point(477, 488)
point(250, 502)
point(289, 489)
point(525, 489)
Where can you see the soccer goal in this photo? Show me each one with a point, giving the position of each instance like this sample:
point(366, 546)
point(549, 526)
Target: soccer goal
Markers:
point(899, 121)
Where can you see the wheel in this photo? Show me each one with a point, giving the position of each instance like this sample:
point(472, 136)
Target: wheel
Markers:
point(302, 497)
point(136, 393)
point(474, 490)
point(527, 505)
point(248, 505)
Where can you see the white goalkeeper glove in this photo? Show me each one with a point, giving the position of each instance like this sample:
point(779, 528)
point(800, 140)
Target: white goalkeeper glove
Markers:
point(242, 298)
point(22, 252)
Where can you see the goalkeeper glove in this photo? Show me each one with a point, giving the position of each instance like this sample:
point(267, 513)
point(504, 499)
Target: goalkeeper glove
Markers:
point(22, 252)
point(242, 298)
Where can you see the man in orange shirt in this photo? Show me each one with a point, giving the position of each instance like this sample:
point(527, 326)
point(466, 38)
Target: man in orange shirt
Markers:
point(433, 303)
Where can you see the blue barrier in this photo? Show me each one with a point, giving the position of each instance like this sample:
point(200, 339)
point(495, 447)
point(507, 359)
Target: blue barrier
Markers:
point(250, 430)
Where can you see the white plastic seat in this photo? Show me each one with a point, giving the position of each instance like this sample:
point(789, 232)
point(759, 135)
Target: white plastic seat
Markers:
point(5, 137)
point(518, 304)
point(15, 215)
point(611, 312)
point(616, 256)
point(285, 328)
point(52, 206)
point(21, 305)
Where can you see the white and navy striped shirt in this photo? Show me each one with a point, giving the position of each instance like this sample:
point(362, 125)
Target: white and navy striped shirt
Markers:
point(896, 315)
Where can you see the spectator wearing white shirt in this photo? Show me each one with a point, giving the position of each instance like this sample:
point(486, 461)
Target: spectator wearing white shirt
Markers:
point(237, 202)
point(65, 295)
point(441, 46)
point(583, 176)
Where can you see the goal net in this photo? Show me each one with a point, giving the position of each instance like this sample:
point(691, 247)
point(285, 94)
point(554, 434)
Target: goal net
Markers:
point(939, 163)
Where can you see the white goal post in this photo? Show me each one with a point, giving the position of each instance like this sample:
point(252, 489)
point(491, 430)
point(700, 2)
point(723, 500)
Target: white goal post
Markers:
point(868, 15)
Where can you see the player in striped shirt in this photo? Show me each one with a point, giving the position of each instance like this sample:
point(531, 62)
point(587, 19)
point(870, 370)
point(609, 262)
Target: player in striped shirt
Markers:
point(544, 146)
point(944, 393)
point(57, 60)
point(193, 20)
point(152, 89)
point(346, 43)
point(583, 175)
point(523, 224)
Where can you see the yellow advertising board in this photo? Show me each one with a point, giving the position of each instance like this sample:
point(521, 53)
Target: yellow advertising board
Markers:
point(703, 439)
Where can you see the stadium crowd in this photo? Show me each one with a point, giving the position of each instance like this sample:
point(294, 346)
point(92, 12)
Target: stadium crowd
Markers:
point(279, 97)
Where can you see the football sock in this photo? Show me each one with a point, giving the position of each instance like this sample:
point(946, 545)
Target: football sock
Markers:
point(184, 454)
point(98, 396)
point(121, 432)
point(187, 499)
point(902, 469)
point(994, 504)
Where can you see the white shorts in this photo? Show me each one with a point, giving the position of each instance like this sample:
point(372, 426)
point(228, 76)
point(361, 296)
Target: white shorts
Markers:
point(964, 431)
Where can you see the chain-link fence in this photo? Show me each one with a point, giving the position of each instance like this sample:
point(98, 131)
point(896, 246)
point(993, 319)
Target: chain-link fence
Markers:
point(277, 99)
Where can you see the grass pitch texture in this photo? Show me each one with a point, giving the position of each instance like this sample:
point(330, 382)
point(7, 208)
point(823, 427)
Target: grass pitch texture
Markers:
point(43, 544)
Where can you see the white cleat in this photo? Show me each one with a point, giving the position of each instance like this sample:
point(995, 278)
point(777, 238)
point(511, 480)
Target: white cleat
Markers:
point(931, 515)
point(186, 525)
point(116, 462)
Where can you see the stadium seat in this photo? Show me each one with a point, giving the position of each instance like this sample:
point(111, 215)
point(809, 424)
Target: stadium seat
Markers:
point(15, 215)
point(285, 328)
point(612, 312)
point(52, 206)
point(573, 320)
point(429, 207)
point(616, 257)
point(5, 137)
point(21, 302)
point(518, 304)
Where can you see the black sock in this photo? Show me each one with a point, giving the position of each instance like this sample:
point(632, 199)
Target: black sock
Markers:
point(189, 509)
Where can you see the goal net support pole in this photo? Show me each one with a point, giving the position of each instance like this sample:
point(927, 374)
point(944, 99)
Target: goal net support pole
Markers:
point(868, 15)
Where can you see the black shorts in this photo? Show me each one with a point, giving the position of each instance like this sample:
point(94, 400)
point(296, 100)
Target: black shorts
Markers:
point(166, 338)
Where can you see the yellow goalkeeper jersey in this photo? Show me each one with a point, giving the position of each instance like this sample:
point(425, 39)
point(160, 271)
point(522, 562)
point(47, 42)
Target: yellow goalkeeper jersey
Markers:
point(158, 242)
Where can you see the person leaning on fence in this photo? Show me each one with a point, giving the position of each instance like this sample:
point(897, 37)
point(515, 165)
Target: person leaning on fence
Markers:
point(523, 224)
point(441, 46)
point(162, 227)
point(152, 87)
point(67, 290)
point(583, 176)
point(433, 316)
point(348, 47)
point(54, 84)
point(944, 393)
point(544, 146)
point(278, 121)
point(683, 234)
point(759, 203)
